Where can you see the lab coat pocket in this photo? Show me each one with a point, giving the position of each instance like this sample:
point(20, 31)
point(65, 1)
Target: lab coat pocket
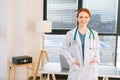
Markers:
point(92, 54)
point(94, 71)
point(74, 70)
point(74, 67)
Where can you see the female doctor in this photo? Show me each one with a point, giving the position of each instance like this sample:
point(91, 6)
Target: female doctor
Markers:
point(81, 49)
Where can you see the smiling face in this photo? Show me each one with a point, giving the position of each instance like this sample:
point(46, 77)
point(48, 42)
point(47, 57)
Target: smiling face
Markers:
point(83, 18)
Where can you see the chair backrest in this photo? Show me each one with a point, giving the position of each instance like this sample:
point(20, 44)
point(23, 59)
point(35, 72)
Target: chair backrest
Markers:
point(64, 64)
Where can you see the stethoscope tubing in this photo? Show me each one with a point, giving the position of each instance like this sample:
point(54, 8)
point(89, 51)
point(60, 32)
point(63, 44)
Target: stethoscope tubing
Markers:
point(91, 33)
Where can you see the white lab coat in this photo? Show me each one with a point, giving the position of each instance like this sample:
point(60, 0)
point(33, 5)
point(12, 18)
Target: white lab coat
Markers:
point(72, 50)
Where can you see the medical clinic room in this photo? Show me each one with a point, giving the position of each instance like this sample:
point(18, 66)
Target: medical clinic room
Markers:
point(60, 39)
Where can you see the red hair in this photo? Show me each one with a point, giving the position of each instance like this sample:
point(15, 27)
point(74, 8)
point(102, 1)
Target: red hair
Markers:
point(83, 10)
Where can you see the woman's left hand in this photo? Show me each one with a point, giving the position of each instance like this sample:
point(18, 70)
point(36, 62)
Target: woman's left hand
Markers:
point(93, 61)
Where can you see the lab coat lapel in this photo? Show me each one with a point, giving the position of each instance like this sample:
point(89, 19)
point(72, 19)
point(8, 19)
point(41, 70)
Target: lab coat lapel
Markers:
point(87, 40)
point(77, 37)
point(78, 40)
point(79, 43)
point(86, 49)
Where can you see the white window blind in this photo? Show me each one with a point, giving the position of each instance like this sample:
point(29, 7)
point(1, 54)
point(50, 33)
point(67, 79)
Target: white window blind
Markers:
point(62, 13)
point(103, 13)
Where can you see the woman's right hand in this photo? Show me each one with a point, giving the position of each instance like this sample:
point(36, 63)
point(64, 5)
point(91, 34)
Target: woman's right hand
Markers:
point(76, 63)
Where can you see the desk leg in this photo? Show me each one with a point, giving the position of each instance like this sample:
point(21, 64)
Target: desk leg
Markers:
point(48, 76)
point(105, 78)
point(53, 77)
point(27, 72)
point(33, 71)
point(8, 72)
point(41, 77)
point(14, 68)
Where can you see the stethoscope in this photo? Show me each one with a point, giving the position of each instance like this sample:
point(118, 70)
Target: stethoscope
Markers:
point(91, 37)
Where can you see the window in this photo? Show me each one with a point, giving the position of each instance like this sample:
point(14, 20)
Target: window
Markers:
point(103, 15)
point(52, 45)
point(107, 49)
point(62, 13)
point(103, 20)
point(54, 42)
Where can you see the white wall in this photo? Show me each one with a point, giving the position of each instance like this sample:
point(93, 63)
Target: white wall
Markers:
point(3, 39)
point(17, 32)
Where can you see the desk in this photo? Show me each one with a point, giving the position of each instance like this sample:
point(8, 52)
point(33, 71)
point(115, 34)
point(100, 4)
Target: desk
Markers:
point(104, 71)
point(14, 66)
point(108, 72)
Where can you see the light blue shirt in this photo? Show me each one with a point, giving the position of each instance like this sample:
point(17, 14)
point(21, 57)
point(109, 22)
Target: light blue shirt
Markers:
point(82, 38)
